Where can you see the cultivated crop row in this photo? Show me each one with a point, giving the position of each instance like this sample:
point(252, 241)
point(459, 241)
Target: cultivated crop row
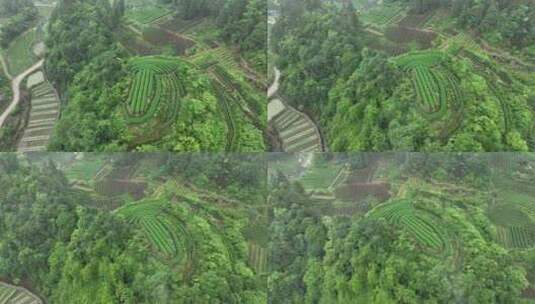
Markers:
point(156, 88)
point(296, 131)
point(163, 230)
point(16, 295)
point(521, 237)
point(223, 98)
point(220, 55)
point(416, 59)
point(258, 258)
point(426, 88)
point(385, 15)
point(44, 113)
point(141, 92)
point(403, 213)
point(455, 100)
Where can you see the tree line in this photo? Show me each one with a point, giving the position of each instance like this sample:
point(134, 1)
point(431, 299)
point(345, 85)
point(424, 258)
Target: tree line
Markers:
point(21, 15)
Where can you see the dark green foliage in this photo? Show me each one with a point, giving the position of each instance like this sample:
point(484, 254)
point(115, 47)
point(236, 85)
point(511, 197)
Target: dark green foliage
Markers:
point(192, 9)
point(324, 46)
point(88, 122)
point(348, 78)
point(22, 15)
point(55, 239)
point(244, 23)
point(9, 8)
point(37, 208)
point(111, 106)
point(386, 255)
point(75, 26)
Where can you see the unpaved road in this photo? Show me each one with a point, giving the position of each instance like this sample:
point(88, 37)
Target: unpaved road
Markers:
point(275, 86)
point(15, 87)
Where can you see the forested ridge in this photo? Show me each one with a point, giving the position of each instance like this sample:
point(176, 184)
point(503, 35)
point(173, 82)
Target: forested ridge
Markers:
point(418, 228)
point(69, 244)
point(359, 67)
point(115, 97)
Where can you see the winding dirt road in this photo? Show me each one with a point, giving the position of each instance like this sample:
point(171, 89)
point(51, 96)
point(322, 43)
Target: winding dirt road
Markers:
point(275, 86)
point(15, 87)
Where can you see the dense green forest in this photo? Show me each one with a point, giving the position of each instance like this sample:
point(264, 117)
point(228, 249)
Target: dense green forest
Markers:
point(410, 75)
point(202, 102)
point(20, 16)
point(133, 228)
point(402, 228)
point(138, 75)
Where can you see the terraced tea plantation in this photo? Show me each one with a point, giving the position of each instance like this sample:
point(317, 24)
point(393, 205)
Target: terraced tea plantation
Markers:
point(296, 131)
point(420, 226)
point(437, 88)
point(163, 219)
point(146, 15)
point(10, 294)
point(156, 89)
point(443, 216)
point(385, 15)
point(179, 226)
point(44, 113)
point(514, 214)
point(258, 258)
point(429, 79)
point(166, 232)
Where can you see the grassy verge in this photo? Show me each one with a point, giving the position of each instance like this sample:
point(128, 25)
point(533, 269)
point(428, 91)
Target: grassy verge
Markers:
point(19, 55)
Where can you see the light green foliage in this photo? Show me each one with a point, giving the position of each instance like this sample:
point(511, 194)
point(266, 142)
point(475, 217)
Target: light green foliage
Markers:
point(418, 59)
point(145, 15)
point(156, 86)
point(179, 242)
point(164, 230)
point(422, 227)
point(19, 55)
point(385, 15)
point(369, 93)
point(434, 243)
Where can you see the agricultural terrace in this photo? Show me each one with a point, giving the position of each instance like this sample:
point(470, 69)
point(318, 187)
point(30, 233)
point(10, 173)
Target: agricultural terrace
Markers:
point(384, 15)
point(180, 226)
point(321, 176)
point(450, 213)
point(44, 113)
point(419, 224)
point(436, 88)
point(155, 90)
point(473, 92)
point(10, 294)
point(165, 232)
point(147, 14)
point(514, 214)
point(85, 170)
point(258, 258)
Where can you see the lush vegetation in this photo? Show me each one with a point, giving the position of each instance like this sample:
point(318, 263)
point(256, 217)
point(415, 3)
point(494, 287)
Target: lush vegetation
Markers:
point(144, 84)
point(186, 240)
point(21, 16)
point(19, 55)
point(455, 228)
point(242, 23)
point(410, 75)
